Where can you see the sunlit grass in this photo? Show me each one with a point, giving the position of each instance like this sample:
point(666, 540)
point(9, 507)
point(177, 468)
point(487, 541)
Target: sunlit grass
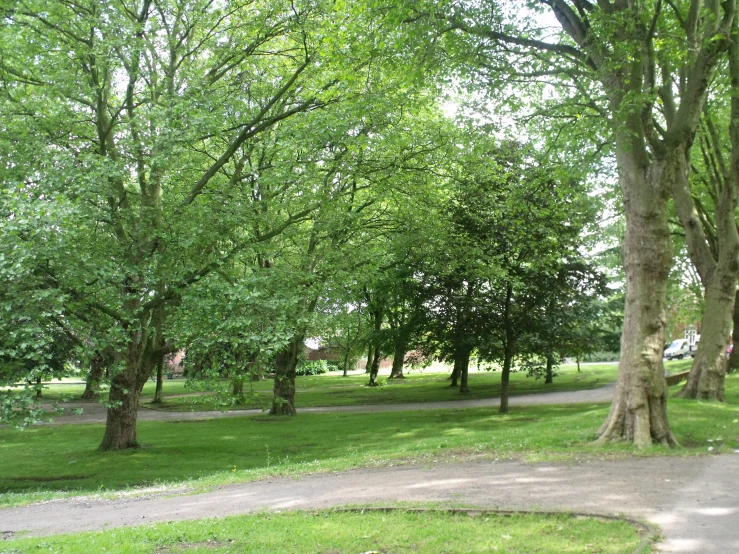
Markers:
point(55, 460)
point(333, 532)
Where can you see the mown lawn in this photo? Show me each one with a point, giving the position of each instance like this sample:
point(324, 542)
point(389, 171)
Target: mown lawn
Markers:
point(332, 389)
point(398, 532)
point(50, 461)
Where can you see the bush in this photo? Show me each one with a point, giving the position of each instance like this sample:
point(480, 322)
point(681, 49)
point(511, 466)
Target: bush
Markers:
point(335, 365)
point(601, 357)
point(311, 367)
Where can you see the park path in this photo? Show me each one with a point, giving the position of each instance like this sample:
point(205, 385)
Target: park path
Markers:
point(693, 500)
point(94, 412)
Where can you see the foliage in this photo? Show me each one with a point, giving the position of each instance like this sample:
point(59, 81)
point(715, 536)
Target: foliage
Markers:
point(312, 367)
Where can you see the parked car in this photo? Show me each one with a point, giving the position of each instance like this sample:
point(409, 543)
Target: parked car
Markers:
point(678, 349)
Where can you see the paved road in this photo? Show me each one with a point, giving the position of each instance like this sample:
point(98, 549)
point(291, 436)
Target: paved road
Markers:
point(693, 500)
point(95, 413)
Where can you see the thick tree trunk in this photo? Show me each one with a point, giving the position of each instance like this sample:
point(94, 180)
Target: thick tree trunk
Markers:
point(286, 361)
point(125, 391)
point(549, 376)
point(639, 409)
point(92, 384)
point(38, 388)
point(398, 360)
point(456, 372)
point(734, 358)
point(718, 269)
point(706, 378)
point(160, 381)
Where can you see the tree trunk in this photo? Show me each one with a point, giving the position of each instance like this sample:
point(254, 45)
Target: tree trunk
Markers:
point(38, 388)
point(238, 388)
point(398, 360)
point(286, 361)
point(346, 363)
point(549, 376)
point(370, 357)
point(456, 371)
point(375, 368)
point(505, 379)
point(577, 359)
point(507, 350)
point(160, 381)
point(125, 391)
point(734, 358)
point(706, 378)
point(464, 367)
point(92, 384)
point(639, 408)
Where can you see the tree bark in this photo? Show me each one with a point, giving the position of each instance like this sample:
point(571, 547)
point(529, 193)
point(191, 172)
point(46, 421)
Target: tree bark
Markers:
point(639, 409)
point(398, 360)
point(734, 358)
point(706, 378)
point(464, 367)
point(160, 381)
point(370, 357)
point(549, 376)
point(508, 349)
point(125, 391)
point(286, 361)
point(92, 384)
point(456, 372)
point(505, 379)
point(375, 368)
point(346, 363)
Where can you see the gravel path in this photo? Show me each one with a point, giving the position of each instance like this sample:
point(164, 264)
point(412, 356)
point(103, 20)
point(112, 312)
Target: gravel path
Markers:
point(94, 412)
point(693, 500)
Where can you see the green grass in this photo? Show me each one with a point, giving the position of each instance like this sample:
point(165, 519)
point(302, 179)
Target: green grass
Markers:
point(52, 461)
point(332, 389)
point(72, 390)
point(333, 532)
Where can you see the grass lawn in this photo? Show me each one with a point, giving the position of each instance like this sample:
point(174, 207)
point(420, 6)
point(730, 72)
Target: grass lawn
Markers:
point(332, 389)
point(52, 461)
point(332, 532)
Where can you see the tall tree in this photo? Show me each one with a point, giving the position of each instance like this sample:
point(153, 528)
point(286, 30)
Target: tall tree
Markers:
point(653, 61)
point(145, 111)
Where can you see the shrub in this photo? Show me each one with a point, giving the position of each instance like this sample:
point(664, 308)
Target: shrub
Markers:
point(311, 367)
point(601, 357)
point(335, 365)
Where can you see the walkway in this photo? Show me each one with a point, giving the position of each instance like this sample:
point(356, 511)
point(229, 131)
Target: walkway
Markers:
point(693, 500)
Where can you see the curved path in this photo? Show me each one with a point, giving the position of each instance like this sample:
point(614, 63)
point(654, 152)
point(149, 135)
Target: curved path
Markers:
point(94, 412)
point(693, 500)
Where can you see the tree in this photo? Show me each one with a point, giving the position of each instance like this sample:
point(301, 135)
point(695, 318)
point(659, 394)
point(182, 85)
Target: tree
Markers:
point(711, 235)
point(653, 61)
point(141, 116)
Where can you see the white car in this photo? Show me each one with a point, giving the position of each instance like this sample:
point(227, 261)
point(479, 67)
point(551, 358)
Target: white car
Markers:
point(678, 350)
